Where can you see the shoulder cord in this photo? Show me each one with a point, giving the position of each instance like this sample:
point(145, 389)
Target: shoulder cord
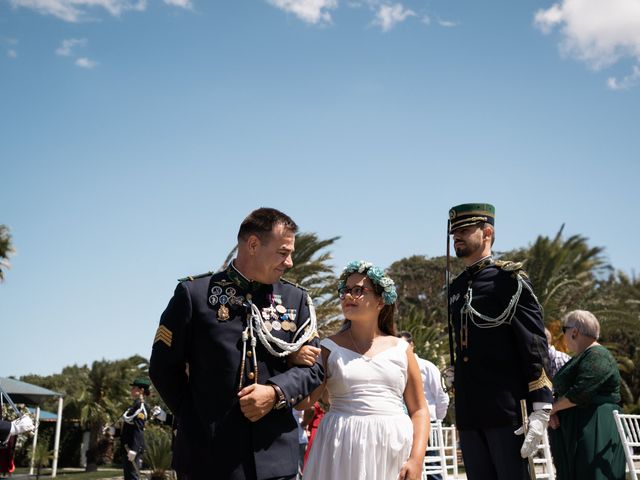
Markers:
point(131, 418)
point(308, 329)
point(469, 313)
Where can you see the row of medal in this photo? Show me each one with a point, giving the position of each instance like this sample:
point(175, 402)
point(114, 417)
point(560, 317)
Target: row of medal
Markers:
point(279, 317)
point(228, 297)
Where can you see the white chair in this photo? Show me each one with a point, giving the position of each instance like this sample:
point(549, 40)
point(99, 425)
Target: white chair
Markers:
point(543, 461)
point(435, 464)
point(629, 430)
point(450, 435)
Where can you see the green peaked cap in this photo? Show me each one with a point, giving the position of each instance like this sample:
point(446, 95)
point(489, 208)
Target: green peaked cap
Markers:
point(141, 382)
point(471, 213)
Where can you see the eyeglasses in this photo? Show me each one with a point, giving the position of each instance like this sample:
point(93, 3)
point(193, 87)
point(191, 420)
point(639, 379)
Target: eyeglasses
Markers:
point(567, 327)
point(355, 292)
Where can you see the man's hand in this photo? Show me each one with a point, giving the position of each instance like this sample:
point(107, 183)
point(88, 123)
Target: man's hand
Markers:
point(538, 421)
point(554, 421)
point(158, 413)
point(256, 401)
point(306, 356)
point(131, 455)
point(24, 424)
point(109, 430)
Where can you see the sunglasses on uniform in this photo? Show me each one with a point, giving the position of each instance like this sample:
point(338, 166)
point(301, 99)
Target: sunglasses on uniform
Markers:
point(355, 292)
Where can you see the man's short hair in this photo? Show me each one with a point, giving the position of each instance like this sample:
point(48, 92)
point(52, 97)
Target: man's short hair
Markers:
point(406, 335)
point(260, 223)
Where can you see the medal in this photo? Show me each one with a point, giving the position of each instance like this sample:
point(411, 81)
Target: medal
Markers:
point(213, 299)
point(267, 325)
point(285, 326)
point(223, 313)
point(230, 291)
point(276, 325)
point(280, 309)
point(293, 327)
point(216, 290)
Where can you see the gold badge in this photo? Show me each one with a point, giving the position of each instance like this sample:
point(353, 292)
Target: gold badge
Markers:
point(223, 313)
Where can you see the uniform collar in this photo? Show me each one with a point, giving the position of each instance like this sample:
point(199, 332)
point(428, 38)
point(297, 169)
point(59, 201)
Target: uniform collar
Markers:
point(239, 279)
point(481, 264)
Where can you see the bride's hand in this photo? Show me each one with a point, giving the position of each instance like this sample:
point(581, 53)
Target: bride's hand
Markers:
point(411, 470)
point(306, 356)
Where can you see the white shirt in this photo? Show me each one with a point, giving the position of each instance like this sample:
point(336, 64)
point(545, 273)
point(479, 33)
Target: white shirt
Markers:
point(437, 398)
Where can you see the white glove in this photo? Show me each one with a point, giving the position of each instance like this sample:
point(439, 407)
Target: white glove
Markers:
point(23, 424)
point(448, 375)
point(538, 421)
point(157, 412)
point(131, 455)
point(109, 430)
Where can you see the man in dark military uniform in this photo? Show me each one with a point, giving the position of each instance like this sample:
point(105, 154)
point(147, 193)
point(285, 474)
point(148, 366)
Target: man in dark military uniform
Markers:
point(219, 359)
point(132, 433)
point(501, 352)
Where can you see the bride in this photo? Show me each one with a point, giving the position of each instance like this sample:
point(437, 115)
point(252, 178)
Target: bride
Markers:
point(370, 376)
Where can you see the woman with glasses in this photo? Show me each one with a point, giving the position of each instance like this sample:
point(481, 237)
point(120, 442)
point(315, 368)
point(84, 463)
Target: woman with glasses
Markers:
point(584, 440)
point(370, 375)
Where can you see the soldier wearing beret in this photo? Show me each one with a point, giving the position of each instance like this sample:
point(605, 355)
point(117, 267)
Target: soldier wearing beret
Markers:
point(132, 433)
point(500, 352)
point(220, 359)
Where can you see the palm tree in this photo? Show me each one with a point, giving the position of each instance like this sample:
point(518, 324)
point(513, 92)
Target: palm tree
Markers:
point(6, 250)
point(104, 398)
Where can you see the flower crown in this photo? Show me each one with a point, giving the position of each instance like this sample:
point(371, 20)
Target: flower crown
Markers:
point(375, 274)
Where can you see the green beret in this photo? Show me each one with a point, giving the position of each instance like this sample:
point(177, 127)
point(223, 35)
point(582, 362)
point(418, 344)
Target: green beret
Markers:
point(141, 382)
point(469, 214)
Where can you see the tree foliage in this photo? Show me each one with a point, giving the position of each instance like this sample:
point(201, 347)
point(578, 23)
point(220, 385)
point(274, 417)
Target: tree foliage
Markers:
point(6, 250)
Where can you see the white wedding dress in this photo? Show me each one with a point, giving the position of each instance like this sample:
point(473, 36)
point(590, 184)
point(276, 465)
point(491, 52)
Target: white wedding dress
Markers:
point(366, 434)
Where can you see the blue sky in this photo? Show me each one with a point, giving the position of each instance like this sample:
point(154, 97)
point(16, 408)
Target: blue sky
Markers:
point(136, 135)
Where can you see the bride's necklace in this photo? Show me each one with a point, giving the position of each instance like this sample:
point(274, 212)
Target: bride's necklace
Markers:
point(353, 340)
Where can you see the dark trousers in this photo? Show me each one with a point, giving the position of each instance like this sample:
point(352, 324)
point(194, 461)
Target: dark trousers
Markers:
point(493, 454)
point(131, 471)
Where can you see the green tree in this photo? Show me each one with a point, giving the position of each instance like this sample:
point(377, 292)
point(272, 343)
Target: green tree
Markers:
point(6, 250)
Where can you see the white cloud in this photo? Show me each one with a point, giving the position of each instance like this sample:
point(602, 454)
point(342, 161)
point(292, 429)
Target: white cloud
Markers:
point(627, 82)
point(597, 32)
point(84, 62)
point(389, 15)
point(447, 23)
point(66, 47)
point(179, 3)
point(77, 10)
point(311, 11)
point(11, 53)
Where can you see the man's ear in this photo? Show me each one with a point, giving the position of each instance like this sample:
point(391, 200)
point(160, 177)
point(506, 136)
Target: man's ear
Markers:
point(253, 242)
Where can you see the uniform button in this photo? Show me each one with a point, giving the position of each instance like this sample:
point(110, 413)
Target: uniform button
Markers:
point(249, 353)
point(250, 375)
point(466, 359)
point(293, 400)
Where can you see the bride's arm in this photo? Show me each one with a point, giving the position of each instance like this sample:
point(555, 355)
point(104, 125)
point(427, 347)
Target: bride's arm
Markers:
point(419, 413)
point(313, 397)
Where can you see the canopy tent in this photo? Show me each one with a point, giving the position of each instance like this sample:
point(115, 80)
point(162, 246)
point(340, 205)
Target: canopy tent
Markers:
point(33, 395)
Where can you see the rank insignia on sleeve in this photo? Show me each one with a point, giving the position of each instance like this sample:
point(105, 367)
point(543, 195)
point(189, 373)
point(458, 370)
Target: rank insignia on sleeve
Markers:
point(542, 382)
point(164, 335)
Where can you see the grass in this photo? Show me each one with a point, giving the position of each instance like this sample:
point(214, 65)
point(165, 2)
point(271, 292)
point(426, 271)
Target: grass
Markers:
point(75, 473)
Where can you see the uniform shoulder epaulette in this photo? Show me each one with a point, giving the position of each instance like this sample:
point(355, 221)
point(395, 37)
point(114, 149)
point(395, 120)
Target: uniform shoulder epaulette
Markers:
point(509, 266)
point(284, 280)
point(193, 277)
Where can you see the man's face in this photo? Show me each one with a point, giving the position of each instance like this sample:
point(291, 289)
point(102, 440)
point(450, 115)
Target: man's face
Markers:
point(468, 240)
point(135, 391)
point(273, 256)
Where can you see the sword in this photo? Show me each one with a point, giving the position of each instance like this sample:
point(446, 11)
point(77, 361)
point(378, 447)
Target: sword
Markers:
point(9, 401)
point(525, 428)
point(449, 320)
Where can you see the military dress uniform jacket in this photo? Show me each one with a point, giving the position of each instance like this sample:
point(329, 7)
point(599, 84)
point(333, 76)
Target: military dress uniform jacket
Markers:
point(132, 434)
point(202, 327)
point(497, 365)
